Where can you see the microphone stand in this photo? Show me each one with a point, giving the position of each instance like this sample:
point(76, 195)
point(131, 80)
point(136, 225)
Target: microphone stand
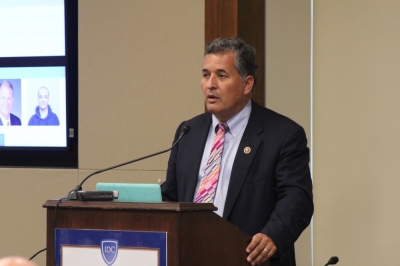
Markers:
point(72, 195)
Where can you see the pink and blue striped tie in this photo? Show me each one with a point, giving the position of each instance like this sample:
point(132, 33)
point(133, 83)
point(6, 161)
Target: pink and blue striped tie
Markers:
point(209, 184)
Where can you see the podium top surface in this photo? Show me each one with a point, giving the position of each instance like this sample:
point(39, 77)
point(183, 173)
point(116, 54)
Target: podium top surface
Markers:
point(162, 206)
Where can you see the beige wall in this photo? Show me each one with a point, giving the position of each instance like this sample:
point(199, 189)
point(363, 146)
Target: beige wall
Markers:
point(288, 75)
point(357, 131)
point(139, 77)
point(354, 128)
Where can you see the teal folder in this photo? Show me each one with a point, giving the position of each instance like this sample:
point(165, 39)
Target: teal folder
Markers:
point(130, 192)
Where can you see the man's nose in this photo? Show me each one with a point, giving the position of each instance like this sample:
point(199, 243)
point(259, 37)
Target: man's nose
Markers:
point(212, 82)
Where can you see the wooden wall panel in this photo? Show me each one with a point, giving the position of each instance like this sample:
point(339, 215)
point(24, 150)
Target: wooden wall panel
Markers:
point(244, 19)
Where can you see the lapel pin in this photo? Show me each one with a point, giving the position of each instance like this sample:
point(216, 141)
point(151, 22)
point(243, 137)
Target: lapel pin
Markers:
point(247, 150)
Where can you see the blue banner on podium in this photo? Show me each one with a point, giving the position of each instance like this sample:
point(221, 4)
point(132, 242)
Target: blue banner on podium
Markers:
point(110, 247)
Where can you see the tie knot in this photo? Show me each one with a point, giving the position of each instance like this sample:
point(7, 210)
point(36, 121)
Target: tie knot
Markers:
point(223, 126)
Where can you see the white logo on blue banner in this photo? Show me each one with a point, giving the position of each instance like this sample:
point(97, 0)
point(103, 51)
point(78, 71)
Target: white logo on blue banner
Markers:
point(109, 250)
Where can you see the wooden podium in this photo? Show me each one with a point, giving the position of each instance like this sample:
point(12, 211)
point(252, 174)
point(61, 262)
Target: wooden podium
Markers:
point(196, 235)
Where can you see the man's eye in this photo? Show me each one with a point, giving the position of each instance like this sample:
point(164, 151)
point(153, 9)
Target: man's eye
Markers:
point(205, 75)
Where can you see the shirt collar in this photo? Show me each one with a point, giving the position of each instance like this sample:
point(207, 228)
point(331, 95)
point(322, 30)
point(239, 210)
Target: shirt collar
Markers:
point(237, 122)
point(4, 121)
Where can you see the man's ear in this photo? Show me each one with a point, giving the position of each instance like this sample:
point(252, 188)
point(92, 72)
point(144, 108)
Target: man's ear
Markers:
point(248, 83)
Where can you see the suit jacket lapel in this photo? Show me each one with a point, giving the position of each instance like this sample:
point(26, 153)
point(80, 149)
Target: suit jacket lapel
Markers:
point(243, 159)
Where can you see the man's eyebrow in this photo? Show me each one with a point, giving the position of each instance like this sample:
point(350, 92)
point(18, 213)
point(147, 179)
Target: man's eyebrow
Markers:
point(218, 70)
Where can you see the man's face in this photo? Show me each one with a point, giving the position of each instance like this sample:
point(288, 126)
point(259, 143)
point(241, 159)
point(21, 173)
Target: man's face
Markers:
point(43, 98)
point(6, 100)
point(225, 94)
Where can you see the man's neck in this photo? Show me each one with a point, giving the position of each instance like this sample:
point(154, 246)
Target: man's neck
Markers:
point(224, 117)
point(5, 117)
point(43, 113)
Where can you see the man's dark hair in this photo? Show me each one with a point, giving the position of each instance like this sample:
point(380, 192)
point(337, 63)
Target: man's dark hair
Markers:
point(245, 59)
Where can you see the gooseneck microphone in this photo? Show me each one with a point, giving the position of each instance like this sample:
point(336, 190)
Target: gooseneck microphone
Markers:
point(73, 194)
point(332, 261)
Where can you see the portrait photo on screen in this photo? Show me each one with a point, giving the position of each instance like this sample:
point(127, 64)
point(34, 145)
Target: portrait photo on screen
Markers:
point(10, 102)
point(43, 104)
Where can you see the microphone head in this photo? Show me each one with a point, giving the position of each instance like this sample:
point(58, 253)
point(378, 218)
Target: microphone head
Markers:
point(185, 130)
point(333, 260)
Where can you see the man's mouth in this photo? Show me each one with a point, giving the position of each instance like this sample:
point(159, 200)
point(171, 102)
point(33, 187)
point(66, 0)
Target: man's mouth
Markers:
point(212, 97)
